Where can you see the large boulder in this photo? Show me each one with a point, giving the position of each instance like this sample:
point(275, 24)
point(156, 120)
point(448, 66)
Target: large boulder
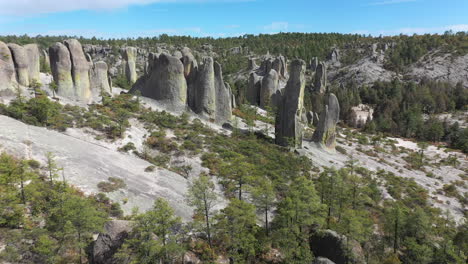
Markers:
point(34, 65)
point(253, 89)
point(320, 82)
point(288, 125)
point(60, 65)
point(223, 96)
point(270, 84)
point(109, 241)
point(325, 134)
point(166, 83)
point(129, 55)
point(80, 69)
point(99, 78)
point(334, 247)
point(20, 59)
point(7, 68)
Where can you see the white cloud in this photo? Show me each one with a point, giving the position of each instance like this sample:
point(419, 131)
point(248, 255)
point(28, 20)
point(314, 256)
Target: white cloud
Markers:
point(391, 2)
point(277, 26)
point(33, 7)
point(415, 30)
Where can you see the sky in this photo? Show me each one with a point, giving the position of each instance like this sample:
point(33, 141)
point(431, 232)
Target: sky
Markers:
point(227, 18)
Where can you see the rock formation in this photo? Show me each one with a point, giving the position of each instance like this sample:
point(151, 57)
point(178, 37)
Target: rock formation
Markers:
point(334, 56)
point(270, 84)
point(99, 78)
point(79, 69)
point(183, 82)
point(166, 82)
point(252, 65)
point(276, 63)
point(320, 83)
point(314, 63)
point(34, 65)
point(109, 241)
point(21, 62)
point(60, 64)
point(360, 115)
point(129, 56)
point(253, 89)
point(7, 68)
point(325, 134)
point(288, 126)
point(190, 73)
point(205, 104)
point(223, 96)
point(335, 247)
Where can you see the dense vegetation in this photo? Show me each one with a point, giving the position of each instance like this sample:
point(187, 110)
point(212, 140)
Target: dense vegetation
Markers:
point(406, 49)
point(257, 177)
point(409, 109)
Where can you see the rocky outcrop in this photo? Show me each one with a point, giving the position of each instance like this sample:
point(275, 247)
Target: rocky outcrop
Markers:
point(79, 70)
point(21, 62)
point(60, 65)
point(7, 68)
point(253, 89)
point(190, 73)
point(166, 83)
point(288, 126)
point(223, 96)
point(334, 56)
point(129, 66)
point(270, 84)
point(109, 241)
point(314, 63)
point(360, 115)
point(252, 65)
point(206, 90)
point(320, 83)
point(34, 65)
point(276, 63)
point(335, 247)
point(99, 78)
point(325, 134)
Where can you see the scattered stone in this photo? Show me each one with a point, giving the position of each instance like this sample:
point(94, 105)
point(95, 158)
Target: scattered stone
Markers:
point(288, 126)
point(325, 134)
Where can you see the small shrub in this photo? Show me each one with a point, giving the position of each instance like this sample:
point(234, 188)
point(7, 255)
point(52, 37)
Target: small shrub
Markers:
point(150, 168)
point(113, 184)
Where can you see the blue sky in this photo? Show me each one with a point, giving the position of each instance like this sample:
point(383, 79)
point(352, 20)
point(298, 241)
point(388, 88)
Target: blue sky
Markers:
point(224, 18)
